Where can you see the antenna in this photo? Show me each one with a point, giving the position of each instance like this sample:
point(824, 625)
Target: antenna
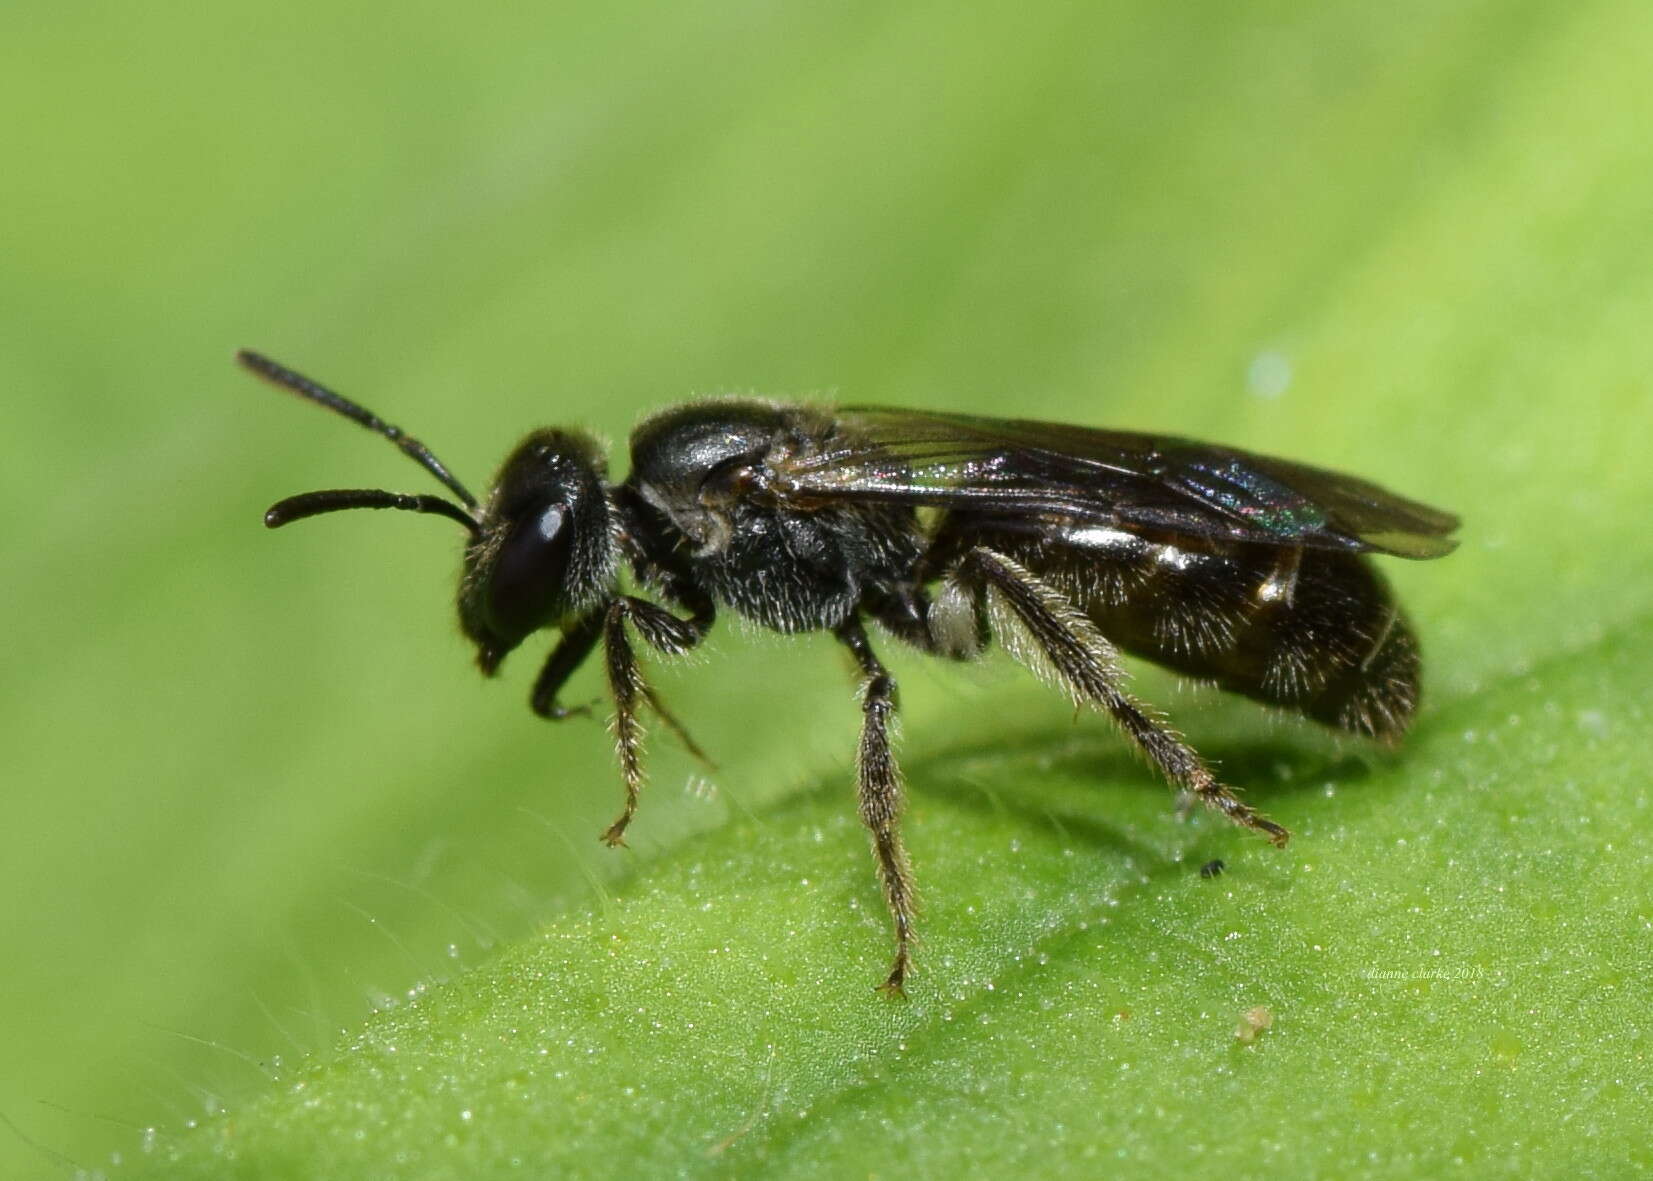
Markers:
point(296, 383)
point(310, 504)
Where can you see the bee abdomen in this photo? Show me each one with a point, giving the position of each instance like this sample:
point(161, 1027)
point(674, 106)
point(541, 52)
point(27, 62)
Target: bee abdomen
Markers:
point(1337, 649)
point(1313, 631)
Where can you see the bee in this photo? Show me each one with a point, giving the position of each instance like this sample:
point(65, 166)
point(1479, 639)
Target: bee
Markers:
point(1068, 545)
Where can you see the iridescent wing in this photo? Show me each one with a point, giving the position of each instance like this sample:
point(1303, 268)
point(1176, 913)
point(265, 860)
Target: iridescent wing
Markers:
point(1022, 471)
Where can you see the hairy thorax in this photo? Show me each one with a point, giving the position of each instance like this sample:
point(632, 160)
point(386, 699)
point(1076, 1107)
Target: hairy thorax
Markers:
point(712, 478)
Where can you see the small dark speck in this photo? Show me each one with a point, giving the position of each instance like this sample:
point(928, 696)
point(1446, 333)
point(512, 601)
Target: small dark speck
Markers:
point(1212, 868)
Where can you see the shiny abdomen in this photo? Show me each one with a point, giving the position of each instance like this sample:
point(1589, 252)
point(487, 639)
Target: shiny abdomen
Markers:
point(1313, 631)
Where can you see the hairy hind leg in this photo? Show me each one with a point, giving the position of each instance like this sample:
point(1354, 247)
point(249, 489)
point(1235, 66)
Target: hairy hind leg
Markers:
point(1087, 665)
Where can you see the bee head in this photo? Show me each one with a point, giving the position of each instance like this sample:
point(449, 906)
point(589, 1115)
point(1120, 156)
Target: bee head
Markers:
point(542, 547)
point(544, 550)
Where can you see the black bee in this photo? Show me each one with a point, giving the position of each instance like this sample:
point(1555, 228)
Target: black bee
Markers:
point(1068, 544)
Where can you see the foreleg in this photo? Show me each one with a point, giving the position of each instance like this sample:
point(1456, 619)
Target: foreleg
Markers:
point(571, 652)
point(668, 634)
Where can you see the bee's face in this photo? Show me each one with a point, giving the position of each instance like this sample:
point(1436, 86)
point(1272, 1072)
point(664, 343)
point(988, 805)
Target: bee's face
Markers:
point(545, 549)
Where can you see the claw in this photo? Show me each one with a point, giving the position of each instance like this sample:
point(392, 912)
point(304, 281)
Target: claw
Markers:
point(893, 989)
point(894, 986)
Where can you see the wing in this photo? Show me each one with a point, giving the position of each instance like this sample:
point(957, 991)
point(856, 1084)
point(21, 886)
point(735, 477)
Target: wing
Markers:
point(1030, 472)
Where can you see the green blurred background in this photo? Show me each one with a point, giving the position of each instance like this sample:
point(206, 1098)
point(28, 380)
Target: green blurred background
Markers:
point(253, 785)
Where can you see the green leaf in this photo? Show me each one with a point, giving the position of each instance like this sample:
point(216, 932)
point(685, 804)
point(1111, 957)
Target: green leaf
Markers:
point(1450, 944)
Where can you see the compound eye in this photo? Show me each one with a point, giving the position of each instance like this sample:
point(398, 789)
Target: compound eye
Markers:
point(528, 584)
point(550, 522)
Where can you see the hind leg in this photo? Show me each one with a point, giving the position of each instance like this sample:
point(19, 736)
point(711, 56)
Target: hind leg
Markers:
point(1068, 646)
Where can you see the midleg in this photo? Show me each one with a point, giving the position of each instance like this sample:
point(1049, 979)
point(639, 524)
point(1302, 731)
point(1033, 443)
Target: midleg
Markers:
point(878, 787)
point(1088, 666)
